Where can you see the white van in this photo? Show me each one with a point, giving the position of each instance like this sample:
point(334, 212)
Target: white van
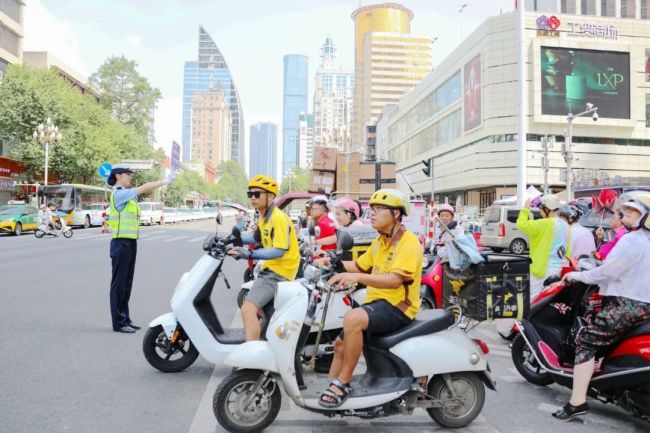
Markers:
point(499, 231)
point(150, 212)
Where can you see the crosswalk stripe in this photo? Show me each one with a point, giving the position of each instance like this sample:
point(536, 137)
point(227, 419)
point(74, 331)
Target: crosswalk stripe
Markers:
point(202, 238)
point(177, 238)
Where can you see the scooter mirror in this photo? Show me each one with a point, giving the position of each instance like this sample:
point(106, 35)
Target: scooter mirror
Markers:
point(344, 241)
point(311, 228)
point(219, 218)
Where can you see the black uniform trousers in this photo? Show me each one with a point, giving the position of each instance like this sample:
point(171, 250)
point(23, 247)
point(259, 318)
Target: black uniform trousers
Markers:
point(123, 253)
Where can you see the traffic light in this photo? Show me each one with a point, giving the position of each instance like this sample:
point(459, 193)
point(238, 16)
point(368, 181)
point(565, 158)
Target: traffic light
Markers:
point(427, 167)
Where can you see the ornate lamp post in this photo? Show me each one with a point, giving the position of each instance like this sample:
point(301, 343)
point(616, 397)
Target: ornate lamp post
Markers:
point(46, 134)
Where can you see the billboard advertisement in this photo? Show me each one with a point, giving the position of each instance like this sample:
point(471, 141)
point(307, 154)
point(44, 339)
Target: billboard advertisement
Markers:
point(472, 93)
point(176, 157)
point(573, 77)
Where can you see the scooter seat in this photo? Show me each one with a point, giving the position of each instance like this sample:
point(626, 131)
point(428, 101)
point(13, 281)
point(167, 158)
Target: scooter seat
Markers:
point(426, 322)
point(643, 329)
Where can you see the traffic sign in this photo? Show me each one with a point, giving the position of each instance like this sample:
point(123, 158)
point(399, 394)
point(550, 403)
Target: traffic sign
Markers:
point(104, 170)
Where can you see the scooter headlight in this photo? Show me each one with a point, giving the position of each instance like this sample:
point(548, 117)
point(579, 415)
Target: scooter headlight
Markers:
point(425, 262)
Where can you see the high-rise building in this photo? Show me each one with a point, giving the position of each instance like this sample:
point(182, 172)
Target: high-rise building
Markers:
point(211, 127)
point(389, 62)
point(333, 96)
point(295, 102)
point(306, 139)
point(11, 33)
point(210, 69)
point(264, 144)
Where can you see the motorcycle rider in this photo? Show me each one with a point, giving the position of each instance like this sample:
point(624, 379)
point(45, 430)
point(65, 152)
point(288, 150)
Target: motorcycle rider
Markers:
point(391, 269)
point(582, 240)
point(446, 214)
point(320, 207)
point(279, 251)
point(619, 230)
point(549, 241)
point(623, 282)
point(347, 213)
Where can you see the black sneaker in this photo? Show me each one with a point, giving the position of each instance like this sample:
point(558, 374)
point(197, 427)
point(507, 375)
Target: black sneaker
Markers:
point(136, 327)
point(569, 412)
point(126, 330)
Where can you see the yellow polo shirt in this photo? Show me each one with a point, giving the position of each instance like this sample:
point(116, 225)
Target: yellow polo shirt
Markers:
point(277, 231)
point(403, 258)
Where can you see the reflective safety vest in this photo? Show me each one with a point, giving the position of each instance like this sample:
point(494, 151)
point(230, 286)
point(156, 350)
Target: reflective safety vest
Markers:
point(124, 224)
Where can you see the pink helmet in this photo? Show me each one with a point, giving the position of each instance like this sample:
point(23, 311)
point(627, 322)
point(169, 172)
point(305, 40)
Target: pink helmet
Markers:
point(349, 206)
point(445, 208)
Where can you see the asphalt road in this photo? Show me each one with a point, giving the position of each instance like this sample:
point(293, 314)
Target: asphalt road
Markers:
point(62, 369)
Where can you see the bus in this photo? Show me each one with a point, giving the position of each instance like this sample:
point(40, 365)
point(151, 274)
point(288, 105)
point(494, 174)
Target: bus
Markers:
point(84, 204)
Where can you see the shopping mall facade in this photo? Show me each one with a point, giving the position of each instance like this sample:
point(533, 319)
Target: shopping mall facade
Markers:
point(464, 115)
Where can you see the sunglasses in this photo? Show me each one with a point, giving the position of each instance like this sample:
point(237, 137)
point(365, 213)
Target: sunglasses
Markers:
point(256, 194)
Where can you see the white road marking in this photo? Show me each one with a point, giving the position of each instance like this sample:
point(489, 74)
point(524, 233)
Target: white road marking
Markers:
point(201, 239)
point(176, 238)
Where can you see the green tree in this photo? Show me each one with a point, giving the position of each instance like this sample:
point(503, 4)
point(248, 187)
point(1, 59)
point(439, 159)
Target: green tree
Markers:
point(296, 180)
point(186, 182)
point(90, 135)
point(232, 184)
point(126, 93)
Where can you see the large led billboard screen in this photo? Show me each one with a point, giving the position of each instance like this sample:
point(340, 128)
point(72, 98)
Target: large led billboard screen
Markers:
point(573, 77)
point(472, 93)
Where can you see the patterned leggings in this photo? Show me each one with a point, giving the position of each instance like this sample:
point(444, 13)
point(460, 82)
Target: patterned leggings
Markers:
point(619, 315)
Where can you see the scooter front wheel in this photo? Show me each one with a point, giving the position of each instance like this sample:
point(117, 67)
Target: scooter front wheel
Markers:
point(462, 405)
point(39, 233)
point(166, 356)
point(67, 234)
point(246, 401)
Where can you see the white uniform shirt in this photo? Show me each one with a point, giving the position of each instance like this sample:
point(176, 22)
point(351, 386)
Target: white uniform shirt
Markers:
point(625, 271)
point(582, 241)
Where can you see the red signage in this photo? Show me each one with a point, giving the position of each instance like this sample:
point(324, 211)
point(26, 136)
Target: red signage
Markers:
point(10, 167)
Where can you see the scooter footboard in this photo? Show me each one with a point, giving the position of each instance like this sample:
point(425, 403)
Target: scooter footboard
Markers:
point(255, 355)
point(167, 321)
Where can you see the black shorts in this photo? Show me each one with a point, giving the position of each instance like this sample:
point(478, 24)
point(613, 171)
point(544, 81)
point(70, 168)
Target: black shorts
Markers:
point(383, 318)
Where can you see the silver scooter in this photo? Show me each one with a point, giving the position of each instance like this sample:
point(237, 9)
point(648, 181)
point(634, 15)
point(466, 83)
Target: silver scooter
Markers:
point(430, 364)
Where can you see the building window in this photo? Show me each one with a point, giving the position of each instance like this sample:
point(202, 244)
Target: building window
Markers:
point(541, 5)
point(9, 41)
point(3, 67)
point(588, 7)
point(628, 8)
point(11, 8)
point(608, 8)
point(644, 10)
point(568, 6)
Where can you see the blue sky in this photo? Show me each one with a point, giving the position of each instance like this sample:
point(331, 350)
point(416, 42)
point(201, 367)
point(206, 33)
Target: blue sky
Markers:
point(253, 35)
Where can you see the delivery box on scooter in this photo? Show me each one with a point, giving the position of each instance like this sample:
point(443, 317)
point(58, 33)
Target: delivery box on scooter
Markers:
point(498, 288)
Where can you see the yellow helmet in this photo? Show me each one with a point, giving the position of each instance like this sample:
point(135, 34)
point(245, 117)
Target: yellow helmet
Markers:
point(264, 182)
point(391, 198)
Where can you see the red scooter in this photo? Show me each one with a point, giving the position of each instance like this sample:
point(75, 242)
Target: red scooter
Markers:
point(543, 349)
point(431, 283)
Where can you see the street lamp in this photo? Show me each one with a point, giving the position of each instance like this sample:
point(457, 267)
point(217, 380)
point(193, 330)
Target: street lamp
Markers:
point(566, 146)
point(47, 134)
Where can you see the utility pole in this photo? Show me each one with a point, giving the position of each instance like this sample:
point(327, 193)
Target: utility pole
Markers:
point(547, 143)
point(567, 153)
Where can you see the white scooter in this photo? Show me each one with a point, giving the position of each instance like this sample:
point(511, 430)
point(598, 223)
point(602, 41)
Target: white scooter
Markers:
point(174, 340)
point(44, 229)
point(430, 364)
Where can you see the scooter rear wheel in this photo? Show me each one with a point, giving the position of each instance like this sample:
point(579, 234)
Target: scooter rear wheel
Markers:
point(233, 393)
point(527, 365)
point(165, 356)
point(67, 234)
point(461, 411)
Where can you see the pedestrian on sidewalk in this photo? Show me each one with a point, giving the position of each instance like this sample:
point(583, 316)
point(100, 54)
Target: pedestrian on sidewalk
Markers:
point(124, 222)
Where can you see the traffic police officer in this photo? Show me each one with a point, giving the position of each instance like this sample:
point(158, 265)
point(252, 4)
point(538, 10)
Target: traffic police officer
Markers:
point(124, 222)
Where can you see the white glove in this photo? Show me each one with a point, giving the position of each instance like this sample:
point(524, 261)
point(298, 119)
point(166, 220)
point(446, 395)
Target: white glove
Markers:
point(170, 178)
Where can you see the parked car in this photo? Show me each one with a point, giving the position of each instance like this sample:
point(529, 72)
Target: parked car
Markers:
point(499, 231)
point(170, 215)
point(151, 212)
point(16, 218)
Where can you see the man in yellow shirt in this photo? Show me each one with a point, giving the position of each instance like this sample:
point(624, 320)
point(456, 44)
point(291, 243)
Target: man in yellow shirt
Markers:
point(391, 269)
point(279, 251)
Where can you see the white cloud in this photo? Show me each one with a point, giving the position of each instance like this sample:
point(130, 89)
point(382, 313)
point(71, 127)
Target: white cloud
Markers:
point(134, 40)
point(168, 122)
point(45, 32)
